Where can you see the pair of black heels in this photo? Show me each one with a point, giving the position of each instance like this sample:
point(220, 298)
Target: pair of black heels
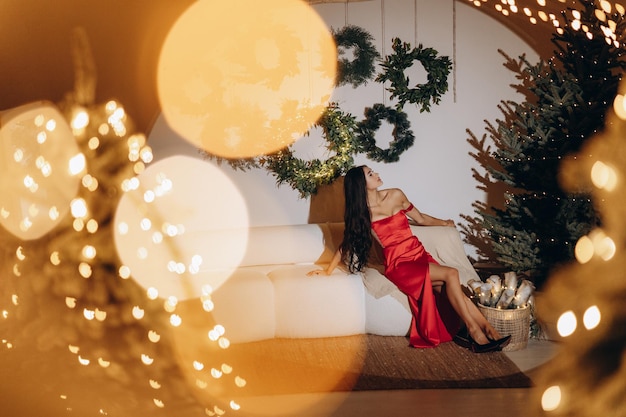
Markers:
point(463, 339)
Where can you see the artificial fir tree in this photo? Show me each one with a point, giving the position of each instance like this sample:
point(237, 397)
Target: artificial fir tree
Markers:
point(533, 225)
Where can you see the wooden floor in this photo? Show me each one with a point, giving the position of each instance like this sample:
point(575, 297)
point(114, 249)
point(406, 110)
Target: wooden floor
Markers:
point(510, 402)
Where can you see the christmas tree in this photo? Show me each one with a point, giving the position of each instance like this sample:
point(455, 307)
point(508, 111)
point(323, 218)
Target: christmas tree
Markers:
point(529, 223)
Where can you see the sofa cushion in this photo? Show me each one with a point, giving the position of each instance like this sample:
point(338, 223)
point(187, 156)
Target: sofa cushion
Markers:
point(388, 315)
point(244, 305)
point(317, 306)
point(293, 244)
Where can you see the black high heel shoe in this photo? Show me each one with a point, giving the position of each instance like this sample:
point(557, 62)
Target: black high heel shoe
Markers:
point(463, 339)
point(503, 340)
point(491, 346)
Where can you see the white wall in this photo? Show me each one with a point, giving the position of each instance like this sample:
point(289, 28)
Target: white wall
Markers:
point(436, 172)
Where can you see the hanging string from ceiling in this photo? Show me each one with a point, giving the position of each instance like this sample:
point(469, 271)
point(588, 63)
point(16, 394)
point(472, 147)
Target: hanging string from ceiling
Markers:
point(454, 51)
point(382, 40)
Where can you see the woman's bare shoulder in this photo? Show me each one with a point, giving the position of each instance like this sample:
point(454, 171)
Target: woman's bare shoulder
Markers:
point(395, 193)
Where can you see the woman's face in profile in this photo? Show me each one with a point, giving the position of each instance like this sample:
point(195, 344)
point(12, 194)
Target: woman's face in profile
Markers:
point(372, 179)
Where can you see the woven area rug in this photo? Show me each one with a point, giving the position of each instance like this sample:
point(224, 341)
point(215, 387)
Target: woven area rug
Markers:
point(52, 382)
point(367, 362)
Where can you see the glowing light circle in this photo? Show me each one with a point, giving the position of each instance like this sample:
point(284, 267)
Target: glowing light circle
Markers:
point(566, 324)
point(198, 228)
point(242, 78)
point(592, 317)
point(551, 398)
point(40, 169)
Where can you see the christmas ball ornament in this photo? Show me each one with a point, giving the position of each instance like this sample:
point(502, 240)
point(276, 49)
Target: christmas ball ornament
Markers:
point(40, 169)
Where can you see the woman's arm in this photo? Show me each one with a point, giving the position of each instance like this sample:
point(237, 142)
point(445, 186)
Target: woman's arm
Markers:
point(422, 219)
point(331, 267)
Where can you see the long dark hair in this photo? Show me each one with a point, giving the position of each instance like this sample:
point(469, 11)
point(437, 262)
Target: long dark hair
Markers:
point(357, 235)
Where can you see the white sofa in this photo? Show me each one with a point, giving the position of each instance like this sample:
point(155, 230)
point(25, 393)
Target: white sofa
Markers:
point(269, 294)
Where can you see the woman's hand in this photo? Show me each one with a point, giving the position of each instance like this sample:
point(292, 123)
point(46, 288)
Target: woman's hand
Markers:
point(449, 222)
point(331, 267)
point(317, 272)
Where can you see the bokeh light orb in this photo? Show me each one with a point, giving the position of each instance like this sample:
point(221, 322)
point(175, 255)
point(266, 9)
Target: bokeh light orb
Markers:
point(592, 317)
point(182, 229)
point(40, 169)
point(243, 78)
point(551, 398)
point(566, 324)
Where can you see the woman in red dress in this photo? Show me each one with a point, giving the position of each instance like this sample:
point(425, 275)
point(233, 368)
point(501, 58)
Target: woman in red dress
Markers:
point(434, 291)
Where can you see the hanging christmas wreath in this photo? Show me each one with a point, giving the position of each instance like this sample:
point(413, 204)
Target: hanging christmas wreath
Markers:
point(361, 69)
point(306, 176)
point(402, 135)
point(394, 65)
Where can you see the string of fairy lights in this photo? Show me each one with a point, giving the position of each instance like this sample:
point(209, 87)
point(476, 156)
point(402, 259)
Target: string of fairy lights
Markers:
point(549, 12)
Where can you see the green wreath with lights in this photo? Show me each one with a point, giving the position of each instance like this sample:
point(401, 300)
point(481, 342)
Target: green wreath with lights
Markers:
point(306, 176)
point(361, 69)
point(403, 137)
point(394, 65)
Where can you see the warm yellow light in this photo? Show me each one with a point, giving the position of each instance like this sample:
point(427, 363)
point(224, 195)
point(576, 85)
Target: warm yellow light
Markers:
point(216, 373)
point(124, 272)
point(551, 398)
point(606, 248)
point(89, 252)
point(77, 164)
point(138, 313)
point(584, 250)
point(89, 314)
point(619, 106)
point(592, 317)
point(603, 245)
point(566, 324)
point(157, 227)
point(240, 382)
point(241, 78)
point(36, 144)
point(147, 360)
point(80, 118)
point(176, 320)
point(78, 208)
point(153, 336)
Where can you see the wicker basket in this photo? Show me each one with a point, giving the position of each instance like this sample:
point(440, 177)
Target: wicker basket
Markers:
point(515, 322)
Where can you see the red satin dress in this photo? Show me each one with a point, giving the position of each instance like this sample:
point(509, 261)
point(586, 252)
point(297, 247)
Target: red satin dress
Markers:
point(406, 265)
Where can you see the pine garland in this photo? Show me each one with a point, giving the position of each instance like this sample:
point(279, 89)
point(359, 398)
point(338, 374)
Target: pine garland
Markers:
point(361, 69)
point(422, 95)
point(402, 135)
point(307, 176)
